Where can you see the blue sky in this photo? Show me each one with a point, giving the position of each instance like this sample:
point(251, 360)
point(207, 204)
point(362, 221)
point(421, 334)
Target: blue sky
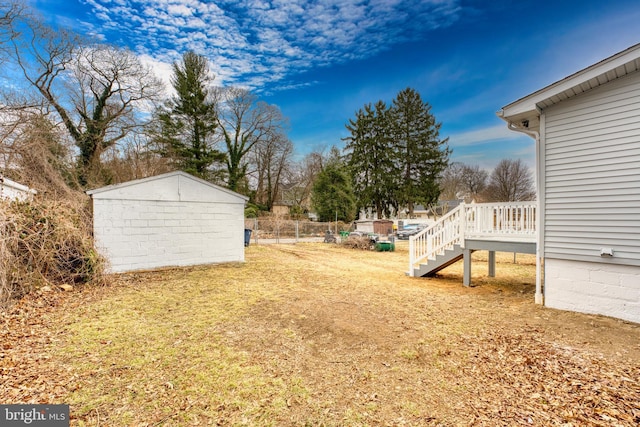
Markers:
point(320, 61)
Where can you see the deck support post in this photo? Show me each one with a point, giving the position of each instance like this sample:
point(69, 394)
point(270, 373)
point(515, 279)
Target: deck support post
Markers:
point(492, 263)
point(466, 280)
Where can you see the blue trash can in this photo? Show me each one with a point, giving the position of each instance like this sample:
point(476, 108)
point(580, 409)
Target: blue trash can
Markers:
point(247, 236)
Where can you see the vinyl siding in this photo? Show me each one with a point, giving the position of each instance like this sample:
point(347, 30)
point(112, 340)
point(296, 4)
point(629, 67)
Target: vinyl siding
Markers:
point(592, 175)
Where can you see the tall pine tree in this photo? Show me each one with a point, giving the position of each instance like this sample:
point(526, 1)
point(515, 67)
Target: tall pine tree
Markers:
point(396, 155)
point(370, 158)
point(420, 155)
point(188, 122)
point(332, 195)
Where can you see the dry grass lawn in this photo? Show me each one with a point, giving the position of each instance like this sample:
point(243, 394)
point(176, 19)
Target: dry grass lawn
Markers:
point(320, 335)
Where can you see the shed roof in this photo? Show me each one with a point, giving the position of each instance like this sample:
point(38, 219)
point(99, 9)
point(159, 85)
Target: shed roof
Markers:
point(172, 186)
point(523, 114)
point(10, 189)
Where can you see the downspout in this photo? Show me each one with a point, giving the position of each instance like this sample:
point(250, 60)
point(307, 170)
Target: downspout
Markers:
point(539, 296)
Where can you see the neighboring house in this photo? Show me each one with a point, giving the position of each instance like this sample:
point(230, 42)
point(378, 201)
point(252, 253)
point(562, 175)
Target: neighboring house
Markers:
point(587, 132)
point(174, 219)
point(296, 196)
point(370, 213)
point(442, 208)
point(419, 211)
point(11, 190)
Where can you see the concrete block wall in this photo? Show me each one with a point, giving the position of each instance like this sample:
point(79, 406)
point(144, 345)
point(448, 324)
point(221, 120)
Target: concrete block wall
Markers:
point(596, 288)
point(147, 234)
point(11, 190)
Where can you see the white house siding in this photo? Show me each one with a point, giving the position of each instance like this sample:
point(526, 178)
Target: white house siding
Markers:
point(592, 201)
point(587, 287)
point(592, 175)
point(170, 220)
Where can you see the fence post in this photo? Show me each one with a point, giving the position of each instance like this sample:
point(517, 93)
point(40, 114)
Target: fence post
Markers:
point(297, 231)
point(255, 229)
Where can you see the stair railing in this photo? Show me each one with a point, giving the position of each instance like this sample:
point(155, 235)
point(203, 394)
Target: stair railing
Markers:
point(444, 234)
point(510, 220)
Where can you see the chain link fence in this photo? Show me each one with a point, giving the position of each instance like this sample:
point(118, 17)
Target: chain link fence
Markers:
point(280, 230)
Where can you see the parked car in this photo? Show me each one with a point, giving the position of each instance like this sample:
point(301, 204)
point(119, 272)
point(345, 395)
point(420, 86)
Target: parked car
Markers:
point(410, 230)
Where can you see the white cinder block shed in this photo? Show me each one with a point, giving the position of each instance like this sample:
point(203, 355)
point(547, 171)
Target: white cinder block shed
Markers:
point(11, 190)
point(587, 132)
point(174, 219)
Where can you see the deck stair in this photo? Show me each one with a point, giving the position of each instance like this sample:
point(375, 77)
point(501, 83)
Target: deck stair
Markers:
point(440, 261)
point(492, 226)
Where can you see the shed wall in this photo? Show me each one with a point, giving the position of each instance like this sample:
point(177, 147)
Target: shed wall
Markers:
point(382, 227)
point(11, 190)
point(592, 175)
point(147, 234)
point(364, 226)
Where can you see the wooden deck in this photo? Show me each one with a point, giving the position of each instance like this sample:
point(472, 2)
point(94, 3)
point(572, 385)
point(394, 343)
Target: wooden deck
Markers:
point(494, 227)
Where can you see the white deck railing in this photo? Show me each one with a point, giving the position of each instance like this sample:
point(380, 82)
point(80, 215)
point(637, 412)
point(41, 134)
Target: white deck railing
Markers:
point(514, 221)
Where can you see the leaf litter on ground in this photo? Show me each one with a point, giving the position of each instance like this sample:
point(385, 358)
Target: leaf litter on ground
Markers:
point(316, 334)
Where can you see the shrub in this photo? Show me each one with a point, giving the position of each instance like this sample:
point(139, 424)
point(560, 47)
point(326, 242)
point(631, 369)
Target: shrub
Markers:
point(358, 242)
point(45, 242)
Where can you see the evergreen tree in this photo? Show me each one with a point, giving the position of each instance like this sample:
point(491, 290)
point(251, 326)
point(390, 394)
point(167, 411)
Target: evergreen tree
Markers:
point(332, 193)
point(421, 156)
point(371, 160)
point(188, 122)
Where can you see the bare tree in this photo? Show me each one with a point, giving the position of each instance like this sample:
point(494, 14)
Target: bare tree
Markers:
point(132, 159)
point(510, 181)
point(272, 159)
point(245, 121)
point(474, 181)
point(451, 181)
point(35, 152)
point(113, 86)
point(9, 13)
point(95, 91)
point(301, 178)
point(460, 181)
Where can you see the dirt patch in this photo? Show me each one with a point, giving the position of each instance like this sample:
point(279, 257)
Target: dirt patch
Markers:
point(415, 352)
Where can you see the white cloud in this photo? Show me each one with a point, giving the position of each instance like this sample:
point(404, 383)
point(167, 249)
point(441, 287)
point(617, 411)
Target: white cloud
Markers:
point(256, 37)
point(161, 69)
point(486, 146)
point(179, 10)
point(484, 135)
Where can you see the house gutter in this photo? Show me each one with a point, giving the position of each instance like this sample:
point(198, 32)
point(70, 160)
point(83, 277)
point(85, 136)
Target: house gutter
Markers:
point(522, 127)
